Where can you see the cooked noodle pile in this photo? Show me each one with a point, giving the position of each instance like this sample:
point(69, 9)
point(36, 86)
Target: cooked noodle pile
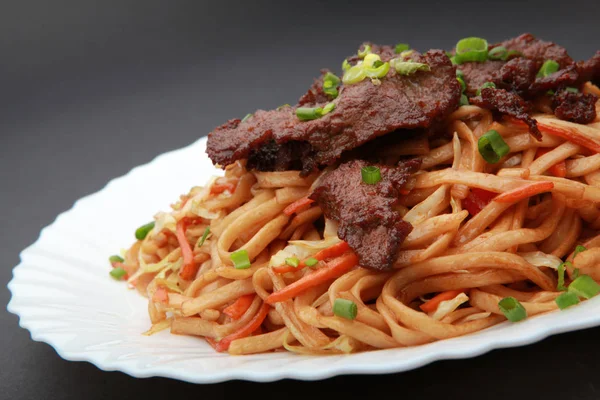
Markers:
point(481, 232)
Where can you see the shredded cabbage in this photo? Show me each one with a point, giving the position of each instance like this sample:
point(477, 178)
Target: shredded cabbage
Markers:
point(289, 251)
point(446, 307)
point(541, 259)
point(477, 316)
point(164, 220)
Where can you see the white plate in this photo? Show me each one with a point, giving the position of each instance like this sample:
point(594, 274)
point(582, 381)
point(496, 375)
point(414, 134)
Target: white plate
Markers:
point(64, 296)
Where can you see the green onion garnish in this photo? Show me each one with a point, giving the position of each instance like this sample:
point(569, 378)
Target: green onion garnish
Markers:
point(486, 85)
point(400, 47)
point(292, 262)
point(346, 66)
point(204, 236)
point(492, 147)
point(464, 100)
point(345, 308)
point(246, 118)
point(548, 68)
point(572, 89)
point(561, 276)
point(240, 259)
point(585, 287)
point(329, 107)
point(144, 230)
point(408, 67)
point(354, 75)
point(366, 50)
point(115, 259)
point(463, 85)
point(330, 84)
point(512, 309)
point(370, 175)
point(576, 273)
point(118, 273)
point(309, 113)
point(498, 53)
point(578, 249)
point(566, 300)
point(311, 262)
point(471, 49)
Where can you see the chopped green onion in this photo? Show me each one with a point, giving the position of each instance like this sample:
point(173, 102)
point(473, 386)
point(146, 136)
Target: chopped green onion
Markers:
point(292, 262)
point(370, 175)
point(377, 63)
point(463, 85)
point(346, 66)
point(498, 53)
point(311, 262)
point(460, 74)
point(576, 273)
point(366, 50)
point(408, 67)
point(115, 259)
point(240, 259)
point(492, 147)
point(566, 300)
point(345, 308)
point(464, 100)
point(330, 84)
point(572, 90)
point(471, 49)
point(118, 273)
point(512, 309)
point(354, 74)
point(401, 47)
point(309, 113)
point(548, 68)
point(561, 276)
point(246, 118)
point(578, 249)
point(486, 85)
point(204, 236)
point(406, 54)
point(584, 286)
point(378, 70)
point(514, 53)
point(144, 230)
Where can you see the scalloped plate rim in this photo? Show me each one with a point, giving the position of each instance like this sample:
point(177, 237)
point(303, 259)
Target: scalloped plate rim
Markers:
point(430, 352)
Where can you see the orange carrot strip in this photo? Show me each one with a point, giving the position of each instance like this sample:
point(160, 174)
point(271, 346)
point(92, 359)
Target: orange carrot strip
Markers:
point(245, 331)
point(161, 295)
point(189, 269)
point(432, 304)
point(334, 251)
point(571, 136)
point(239, 307)
point(524, 192)
point(335, 268)
point(297, 205)
point(212, 342)
point(218, 188)
point(559, 169)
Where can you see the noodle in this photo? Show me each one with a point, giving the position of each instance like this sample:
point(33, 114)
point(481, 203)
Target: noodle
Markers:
point(505, 249)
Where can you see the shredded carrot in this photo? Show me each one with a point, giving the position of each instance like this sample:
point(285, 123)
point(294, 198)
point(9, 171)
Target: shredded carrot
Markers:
point(297, 205)
point(246, 330)
point(524, 192)
point(334, 251)
point(218, 188)
point(333, 269)
point(432, 304)
point(571, 136)
point(189, 269)
point(212, 342)
point(239, 307)
point(559, 169)
point(161, 295)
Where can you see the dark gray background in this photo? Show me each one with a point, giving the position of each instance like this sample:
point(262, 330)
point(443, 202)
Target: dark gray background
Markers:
point(89, 90)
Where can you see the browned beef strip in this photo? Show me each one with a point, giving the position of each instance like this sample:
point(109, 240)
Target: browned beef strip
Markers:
point(575, 107)
point(367, 220)
point(589, 70)
point(478, 73)
point(538, 50)
point(315, 93)
point(507, 103)
point(517, 75)
point(363, 112)
point(565, 77)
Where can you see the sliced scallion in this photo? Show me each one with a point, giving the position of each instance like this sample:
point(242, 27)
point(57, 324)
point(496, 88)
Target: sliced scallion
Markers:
point(118, 273)
point(492, 147)
point(247, 117)
point(115, 259)
point(330, 84)
point(464, 100)
point(471, 49)
point(561, 276)
point(512, 309)
point(566, 300)
point(408, 67)
point(370, 175)
point(309, 113)
point(346, 66)
point(345, 309)
point(498, 53)
point(144, 230)
point(584, 286)
point(576, 273)
point(240, 259)
point(548, 68)
point(204, 236)
point(366, 50)
point(292, 262)
point(311, 262)
point(401, 47)
point(578, 249)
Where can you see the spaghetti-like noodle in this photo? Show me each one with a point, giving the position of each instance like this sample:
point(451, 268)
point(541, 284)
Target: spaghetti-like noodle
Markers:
point(512, 246)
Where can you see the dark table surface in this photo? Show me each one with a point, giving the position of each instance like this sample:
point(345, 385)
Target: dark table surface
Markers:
point(88, 91)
